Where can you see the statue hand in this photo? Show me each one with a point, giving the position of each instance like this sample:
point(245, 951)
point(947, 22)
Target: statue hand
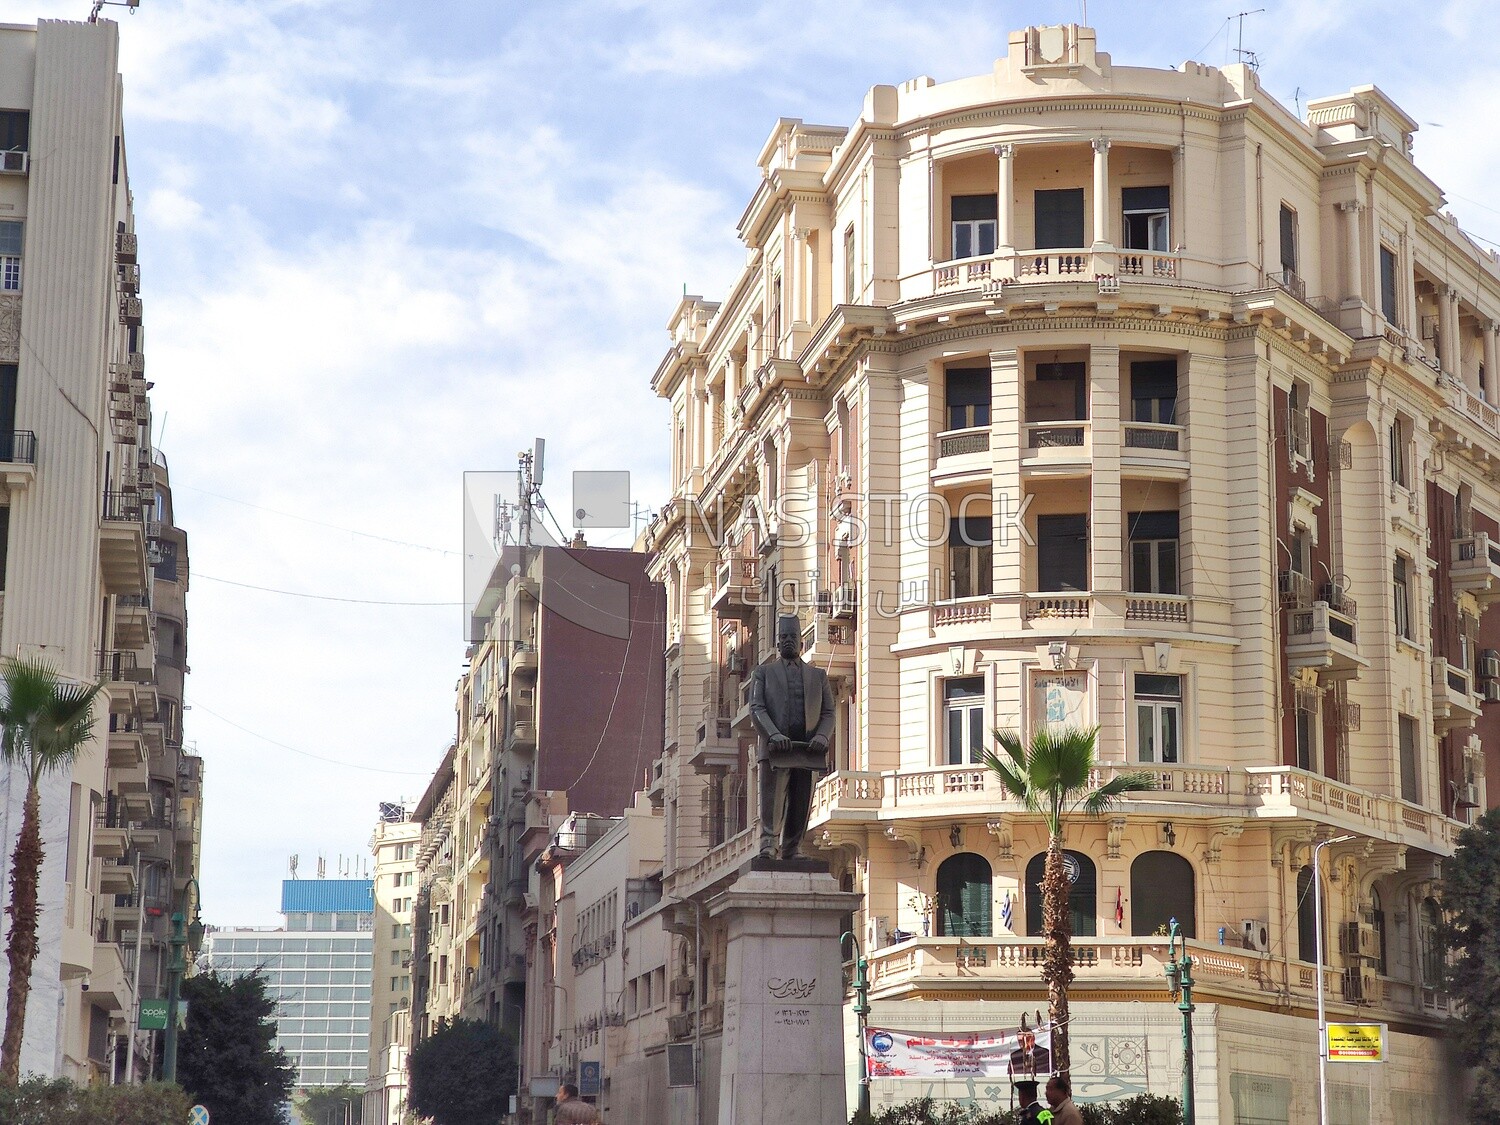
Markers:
point(781, 743)
point(820, 743)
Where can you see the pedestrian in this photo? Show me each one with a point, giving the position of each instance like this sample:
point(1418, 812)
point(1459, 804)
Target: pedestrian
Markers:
point(571, 1110)
point(1060, 1098)
point(1031, 1110)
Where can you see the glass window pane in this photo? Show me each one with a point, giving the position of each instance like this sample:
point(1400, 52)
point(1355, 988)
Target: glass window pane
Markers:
point(1166, 567)
point(962, 240)
point(955, 737)
point(1169, 717)
point(1145, 716)
point(976, 733)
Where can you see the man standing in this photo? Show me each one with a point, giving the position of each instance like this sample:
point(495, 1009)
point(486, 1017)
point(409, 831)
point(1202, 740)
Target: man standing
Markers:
point(1031, 1110)
point(1060, 1098)
point(791, 704)
point(572, 1111)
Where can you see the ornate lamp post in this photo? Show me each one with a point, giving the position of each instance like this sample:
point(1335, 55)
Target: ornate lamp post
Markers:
point(193, 941)
point(861, 1012)
point(1179, 970)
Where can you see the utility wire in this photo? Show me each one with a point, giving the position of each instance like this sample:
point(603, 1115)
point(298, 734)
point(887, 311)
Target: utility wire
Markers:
point(317, 597)
point(196, 705)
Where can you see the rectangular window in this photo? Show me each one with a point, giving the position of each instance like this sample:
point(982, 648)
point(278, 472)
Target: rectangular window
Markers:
point(1062, 553)
point(1401, 596)
point(15, 130)
point(1410, 787)
point(963, 720)
point(967, 397)
point(1158, 718)
point(12, 236)
point(1153, 391)
point(1307, 730)
point(851, 276)
point(974, 219)
point(1299, 422)
point(776, 316)
point(970, 557)
point(1153, 552)
point(1059, 218)
point(1059, 393)
point(1147, 218)
point(1288, 240)
point(1400, 473)
point(1388, 285)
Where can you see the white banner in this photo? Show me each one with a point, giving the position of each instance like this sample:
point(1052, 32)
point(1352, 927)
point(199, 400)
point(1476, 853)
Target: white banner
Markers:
point(984, 1054)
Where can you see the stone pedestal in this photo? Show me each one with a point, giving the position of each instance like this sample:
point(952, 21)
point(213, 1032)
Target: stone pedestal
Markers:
point(783, 1044)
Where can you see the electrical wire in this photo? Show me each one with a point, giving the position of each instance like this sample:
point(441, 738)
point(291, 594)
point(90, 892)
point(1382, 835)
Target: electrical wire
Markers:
point(196, 705)
point(318, 597)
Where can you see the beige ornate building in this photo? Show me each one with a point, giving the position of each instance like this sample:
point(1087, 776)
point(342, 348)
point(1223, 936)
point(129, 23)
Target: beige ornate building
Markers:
point(394, 845)
point(1080, 393)
point(93, 570)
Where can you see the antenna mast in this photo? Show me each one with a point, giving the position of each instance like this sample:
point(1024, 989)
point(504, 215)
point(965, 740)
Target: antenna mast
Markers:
point(1240, 47)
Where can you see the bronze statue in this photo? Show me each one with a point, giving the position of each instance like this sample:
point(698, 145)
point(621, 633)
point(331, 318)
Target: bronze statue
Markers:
point(791, 704)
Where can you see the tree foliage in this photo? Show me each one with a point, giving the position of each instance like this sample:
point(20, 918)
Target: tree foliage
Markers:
point(462, 1074)
point(56, 1101)
point(1471, 902)
point(1050, 776)
point(225, 1057)
point(1142, 1109)
point(332, 1105)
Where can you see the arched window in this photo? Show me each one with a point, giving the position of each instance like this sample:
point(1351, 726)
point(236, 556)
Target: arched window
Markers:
point(1377, 919)
point(1307, 923)
point(965, 895)
point(1161, 888)
point(1083, 902)
point(1430, 943)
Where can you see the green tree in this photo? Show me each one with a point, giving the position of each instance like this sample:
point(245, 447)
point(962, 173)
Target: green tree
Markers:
point(56, 1101)
point(47, 722)
point(1471, 902)
point(462, 1074)
point(332, 1105)
point(225, 1057)
point(1051, 776)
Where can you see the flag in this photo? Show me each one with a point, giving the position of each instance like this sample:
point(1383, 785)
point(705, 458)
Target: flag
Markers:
point(1119, 906)
point(1006, 913)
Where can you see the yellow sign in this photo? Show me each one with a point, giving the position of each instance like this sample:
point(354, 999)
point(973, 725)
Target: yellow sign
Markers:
point(1356, 1042)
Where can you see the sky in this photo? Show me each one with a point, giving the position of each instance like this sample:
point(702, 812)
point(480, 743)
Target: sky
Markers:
point(384, 244)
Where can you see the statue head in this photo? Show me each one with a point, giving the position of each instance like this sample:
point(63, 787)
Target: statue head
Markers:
point(789, 636)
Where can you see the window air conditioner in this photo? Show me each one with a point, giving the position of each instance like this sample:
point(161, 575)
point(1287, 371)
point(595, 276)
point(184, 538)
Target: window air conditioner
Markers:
point(1257, 934)
point(1492, 691)
point(14, 162)
point(1489, 665)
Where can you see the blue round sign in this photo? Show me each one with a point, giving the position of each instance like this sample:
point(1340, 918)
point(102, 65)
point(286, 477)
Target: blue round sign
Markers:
point(882, 1041)
point(198, 1115)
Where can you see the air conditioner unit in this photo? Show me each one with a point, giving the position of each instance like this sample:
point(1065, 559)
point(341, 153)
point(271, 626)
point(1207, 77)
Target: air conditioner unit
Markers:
point(1492, 691)
point(632, 910)
point(1361, 984)
point(682, 986)
point(1361, 940)
point(845, 601)
point(736, 664)
point(1256, 933)
point(14, 162)
point(1489, 665)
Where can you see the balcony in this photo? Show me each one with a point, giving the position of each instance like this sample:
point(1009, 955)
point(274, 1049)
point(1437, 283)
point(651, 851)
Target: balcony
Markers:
point(717, 747)
point(122, 543)
point(829, 643)
point(1044, 610)
point(130, 311)
point(1323, 638)
point(117, 876)
point(111, 833)
point(125, 245)
point(127, 746)
point(1476, 568)
point(990, 278)
point(129, 275)
point(17, 459)
point(1158, 609)
point(119, 666)
point(525, 661)
point(1057, 448)
point(109, 985)
point(1154, 451)
point(132, 620)
point(1453, 702)
point(959, 454)
point(737, 588)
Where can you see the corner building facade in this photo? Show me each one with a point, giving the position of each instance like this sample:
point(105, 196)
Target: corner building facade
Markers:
point(1073, 393)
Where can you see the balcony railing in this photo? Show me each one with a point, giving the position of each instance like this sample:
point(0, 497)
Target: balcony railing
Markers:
point(1057, 435)
point(117, 665)
point(18, 447)
point(957, 443)
point(1158, 607)
point(1058, 606)
point(122, 507)
point(1152, 435)
point(1288, 280)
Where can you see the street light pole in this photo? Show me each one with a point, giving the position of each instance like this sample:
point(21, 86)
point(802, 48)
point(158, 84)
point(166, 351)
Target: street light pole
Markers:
point(192, 939)
point(861, 1012)
point(1317, 883)
point(1179, 972)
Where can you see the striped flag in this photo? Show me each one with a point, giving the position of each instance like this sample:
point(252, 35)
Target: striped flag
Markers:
point(1119, 906)
point(1006, 911)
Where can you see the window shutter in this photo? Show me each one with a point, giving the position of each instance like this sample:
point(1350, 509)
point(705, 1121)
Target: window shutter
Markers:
point(1145, 198)
point(1059, 218)
point(1062, 552)
point(968, 386)
point(968, 208)
point(1153, 525)
point(1288, 238)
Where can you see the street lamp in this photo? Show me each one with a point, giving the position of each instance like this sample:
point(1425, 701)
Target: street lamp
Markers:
point(193, 940)
point(861, 1012)
point(1317, 883)
point(1179, 970)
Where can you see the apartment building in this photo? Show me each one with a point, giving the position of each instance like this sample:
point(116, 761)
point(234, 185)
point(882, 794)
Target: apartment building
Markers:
point(318, 971)
point(86, 536)
point(1077, 393)
point(394, 845)
point(562, 695)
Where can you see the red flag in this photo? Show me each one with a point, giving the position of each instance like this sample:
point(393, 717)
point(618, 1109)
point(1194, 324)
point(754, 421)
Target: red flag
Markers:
point(1119, 906)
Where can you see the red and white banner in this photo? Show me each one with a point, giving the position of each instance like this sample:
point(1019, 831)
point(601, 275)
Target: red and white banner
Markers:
point(983, 1054)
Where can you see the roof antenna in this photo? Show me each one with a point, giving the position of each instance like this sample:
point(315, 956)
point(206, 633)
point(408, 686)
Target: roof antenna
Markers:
point(100, 4)
point(1246, 56)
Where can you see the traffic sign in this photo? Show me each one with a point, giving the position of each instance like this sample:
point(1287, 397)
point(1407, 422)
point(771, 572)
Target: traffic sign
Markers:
point(198, 1115)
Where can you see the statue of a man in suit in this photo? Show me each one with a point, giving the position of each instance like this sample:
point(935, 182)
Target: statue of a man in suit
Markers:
point(791, 704)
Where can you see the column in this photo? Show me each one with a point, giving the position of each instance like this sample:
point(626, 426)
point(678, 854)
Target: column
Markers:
point(1487, 384)
point(1106, 554)
point(1101, 193)
point(1005, 220)
point(1443, 339)
point(803, 300)
point(1353, 258)
point(1179, 200)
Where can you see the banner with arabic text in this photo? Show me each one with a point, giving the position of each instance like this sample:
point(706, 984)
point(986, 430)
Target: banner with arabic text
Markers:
point(984, 1054)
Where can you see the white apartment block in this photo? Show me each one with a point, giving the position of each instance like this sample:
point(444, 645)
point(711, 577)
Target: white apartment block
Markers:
point(1081, 393)
point(394, 845)
point(80, 536)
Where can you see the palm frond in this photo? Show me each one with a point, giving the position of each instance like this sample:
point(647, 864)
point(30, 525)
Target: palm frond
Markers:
point(46, 720)
point(1106, 796)
point(1012, 779)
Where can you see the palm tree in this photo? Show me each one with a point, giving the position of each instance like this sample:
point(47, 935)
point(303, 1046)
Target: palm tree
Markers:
point(1050, 776)
point(47, 722)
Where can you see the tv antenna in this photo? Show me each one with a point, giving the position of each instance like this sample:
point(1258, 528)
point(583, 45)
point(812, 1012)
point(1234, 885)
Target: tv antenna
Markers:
point(100, 5)
point(1249, 57)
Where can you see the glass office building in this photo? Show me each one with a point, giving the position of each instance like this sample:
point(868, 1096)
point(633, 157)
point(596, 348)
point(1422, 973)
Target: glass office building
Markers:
point(318, 971)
